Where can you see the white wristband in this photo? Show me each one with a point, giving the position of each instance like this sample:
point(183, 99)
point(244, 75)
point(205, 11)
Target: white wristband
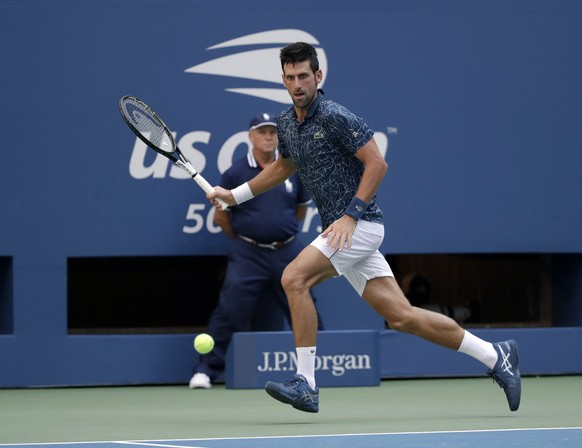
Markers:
point(242, 193)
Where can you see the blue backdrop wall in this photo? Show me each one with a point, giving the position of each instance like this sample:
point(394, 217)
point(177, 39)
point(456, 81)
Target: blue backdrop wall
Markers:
point(475, 104)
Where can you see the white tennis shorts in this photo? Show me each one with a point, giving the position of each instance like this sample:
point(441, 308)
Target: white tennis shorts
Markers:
point(363, 261)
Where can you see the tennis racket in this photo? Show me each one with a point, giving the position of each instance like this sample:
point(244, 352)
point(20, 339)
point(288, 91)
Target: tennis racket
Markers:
point(150, 129)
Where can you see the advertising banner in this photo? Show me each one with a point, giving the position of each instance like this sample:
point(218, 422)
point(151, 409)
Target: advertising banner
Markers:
point(344, 358)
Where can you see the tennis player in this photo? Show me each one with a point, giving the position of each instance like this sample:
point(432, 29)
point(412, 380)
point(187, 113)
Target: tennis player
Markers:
point(338, 161)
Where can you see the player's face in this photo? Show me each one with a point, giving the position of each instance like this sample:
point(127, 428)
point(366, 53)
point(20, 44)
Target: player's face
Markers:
point(264, 139)
point(301, 83)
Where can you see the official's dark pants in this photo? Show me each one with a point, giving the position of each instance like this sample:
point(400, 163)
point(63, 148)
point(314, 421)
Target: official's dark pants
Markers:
point(251, 273)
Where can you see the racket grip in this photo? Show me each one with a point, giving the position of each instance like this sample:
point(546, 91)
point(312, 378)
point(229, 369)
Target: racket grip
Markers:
point(203, 183)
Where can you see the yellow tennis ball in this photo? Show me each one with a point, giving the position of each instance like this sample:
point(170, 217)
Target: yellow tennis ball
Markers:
point(203, 343)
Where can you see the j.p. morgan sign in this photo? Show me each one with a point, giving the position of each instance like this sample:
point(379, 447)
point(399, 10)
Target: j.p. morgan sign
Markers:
point(344, 358)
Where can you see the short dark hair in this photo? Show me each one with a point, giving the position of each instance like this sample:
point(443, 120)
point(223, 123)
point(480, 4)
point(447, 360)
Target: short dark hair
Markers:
point(299, 52)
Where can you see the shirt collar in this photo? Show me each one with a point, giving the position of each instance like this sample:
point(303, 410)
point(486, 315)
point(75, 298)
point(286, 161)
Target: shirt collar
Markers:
point(315, 103)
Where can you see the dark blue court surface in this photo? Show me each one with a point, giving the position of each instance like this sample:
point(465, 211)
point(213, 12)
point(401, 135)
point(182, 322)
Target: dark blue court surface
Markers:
point(508, 438)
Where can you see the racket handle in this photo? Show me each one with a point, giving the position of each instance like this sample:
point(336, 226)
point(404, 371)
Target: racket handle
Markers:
point(203, 183)
point(208, 188)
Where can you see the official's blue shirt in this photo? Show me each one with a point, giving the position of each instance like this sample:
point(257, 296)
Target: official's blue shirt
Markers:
point(323, 148)
point(270, 216)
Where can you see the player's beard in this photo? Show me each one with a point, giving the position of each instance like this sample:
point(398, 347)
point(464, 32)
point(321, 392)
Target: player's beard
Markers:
point(305, 102)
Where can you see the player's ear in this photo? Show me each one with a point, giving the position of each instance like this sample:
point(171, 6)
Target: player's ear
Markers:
point(318, 76)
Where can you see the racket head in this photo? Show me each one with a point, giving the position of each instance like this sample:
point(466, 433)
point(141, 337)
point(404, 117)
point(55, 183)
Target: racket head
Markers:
point(147, 125)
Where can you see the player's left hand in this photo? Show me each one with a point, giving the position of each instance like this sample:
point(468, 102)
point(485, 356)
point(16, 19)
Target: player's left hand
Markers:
point(339, 233)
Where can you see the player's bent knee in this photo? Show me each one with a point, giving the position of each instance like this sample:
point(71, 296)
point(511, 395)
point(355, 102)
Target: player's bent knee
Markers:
point(291, 281)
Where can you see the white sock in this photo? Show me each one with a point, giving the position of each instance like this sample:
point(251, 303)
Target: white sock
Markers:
point(478, 349)
point(306, 364)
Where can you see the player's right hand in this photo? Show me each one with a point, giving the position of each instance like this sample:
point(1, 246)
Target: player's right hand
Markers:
point(221, 193)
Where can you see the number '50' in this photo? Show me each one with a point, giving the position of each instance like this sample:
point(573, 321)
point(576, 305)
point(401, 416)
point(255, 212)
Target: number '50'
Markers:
point(195, 216)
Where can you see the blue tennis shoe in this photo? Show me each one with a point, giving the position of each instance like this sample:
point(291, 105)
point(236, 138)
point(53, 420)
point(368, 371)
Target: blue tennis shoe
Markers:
point(506, 372)
point(295, 392)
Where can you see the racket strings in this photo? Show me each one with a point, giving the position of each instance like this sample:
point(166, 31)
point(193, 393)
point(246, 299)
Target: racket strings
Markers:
point(148, 125)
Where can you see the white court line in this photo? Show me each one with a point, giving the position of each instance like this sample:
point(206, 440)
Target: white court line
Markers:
point(462, 431)
point(148, 442)
point(156, 444)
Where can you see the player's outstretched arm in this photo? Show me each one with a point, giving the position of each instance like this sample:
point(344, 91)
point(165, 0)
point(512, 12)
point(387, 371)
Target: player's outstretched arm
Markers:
point(277, 172)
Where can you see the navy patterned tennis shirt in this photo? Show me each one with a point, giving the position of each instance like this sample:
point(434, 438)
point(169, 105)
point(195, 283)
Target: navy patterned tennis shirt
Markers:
point(323, 148)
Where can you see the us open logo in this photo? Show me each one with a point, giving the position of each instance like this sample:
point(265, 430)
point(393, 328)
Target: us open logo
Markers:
point(261, 65)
